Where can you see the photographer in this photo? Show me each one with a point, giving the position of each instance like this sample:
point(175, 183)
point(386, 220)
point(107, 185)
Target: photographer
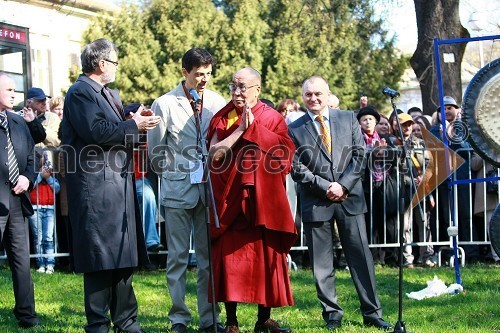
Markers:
point(37, 110)
point(42, 222)
point(34, 124)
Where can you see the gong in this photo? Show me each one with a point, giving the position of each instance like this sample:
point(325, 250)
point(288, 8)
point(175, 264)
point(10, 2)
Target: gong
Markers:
point(481, 112)
point(495, 230)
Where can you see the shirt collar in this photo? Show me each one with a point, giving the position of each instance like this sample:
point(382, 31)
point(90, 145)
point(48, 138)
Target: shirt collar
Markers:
point(325, 114)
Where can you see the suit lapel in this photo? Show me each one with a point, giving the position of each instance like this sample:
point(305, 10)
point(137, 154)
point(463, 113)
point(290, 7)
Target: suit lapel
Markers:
point(334, 130)
point(112, 103)
point(183, 102)
point(103, 102)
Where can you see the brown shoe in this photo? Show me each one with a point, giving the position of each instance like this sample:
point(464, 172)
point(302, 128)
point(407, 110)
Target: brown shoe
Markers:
point(232, 329)
point(270, 326)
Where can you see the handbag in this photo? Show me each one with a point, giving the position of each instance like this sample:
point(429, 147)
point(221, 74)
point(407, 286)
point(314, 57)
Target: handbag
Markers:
point(491, 185)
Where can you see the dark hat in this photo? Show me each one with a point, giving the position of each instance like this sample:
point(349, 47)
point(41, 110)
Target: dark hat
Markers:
point(36, 93)
point(132, 107)
point(267, 102)
point(368, 110)
point(415, 109)
point(448, 100)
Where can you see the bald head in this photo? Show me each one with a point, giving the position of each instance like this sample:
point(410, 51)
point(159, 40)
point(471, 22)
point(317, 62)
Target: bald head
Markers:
point(316, 79)
point(333, 101)
point(250, 73)
point(7, 92)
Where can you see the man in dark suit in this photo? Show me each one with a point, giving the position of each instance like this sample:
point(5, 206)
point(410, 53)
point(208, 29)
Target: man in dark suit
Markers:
point(103, 207)
point(17, 174)
point(328, 165)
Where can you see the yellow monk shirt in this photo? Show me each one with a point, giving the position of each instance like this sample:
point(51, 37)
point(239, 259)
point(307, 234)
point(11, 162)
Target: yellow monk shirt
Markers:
point(232, 117)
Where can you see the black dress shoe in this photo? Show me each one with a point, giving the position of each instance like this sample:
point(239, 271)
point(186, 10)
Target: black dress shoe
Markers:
point(28, 324)
point(378, 323)
point(156, 247)
point(333, 324)
point(179, 328)
point(117, 330)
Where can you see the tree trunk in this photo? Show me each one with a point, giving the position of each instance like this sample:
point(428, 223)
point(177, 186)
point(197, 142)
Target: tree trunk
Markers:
point(438, 19)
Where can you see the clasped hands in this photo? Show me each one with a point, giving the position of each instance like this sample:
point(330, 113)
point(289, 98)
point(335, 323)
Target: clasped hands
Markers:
point(247, 117)
point(336, 192)
point(145, 119)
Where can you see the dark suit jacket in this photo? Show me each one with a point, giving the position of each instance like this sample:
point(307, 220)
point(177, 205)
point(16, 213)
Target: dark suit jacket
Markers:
point(314, 168)
point(24, 150)
point(102, 202)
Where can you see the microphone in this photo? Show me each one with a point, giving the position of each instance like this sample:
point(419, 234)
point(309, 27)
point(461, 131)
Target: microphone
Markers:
point(195, 96)
point(390, 92)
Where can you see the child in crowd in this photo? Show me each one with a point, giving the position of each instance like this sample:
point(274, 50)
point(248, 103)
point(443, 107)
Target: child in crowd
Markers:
point(42, 222)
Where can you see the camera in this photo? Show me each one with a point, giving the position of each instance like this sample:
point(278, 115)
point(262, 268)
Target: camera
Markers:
point(47, 164)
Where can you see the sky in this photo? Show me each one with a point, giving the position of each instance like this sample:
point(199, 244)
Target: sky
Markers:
point(401, 20)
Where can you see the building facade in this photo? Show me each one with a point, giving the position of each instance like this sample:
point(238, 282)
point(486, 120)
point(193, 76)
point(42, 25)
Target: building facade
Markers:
point(55, 29)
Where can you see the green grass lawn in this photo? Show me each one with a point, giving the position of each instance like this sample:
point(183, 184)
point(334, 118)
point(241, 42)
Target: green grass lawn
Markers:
point(59, 302)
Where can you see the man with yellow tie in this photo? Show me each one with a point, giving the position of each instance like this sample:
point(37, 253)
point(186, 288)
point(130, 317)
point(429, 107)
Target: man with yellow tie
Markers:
point(327, 166)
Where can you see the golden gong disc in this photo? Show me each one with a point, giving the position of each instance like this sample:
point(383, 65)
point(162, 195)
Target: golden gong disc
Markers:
point(481, 112)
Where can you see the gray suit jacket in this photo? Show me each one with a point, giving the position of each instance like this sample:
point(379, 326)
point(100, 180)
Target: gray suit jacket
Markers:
point(172, 144)
point(314, 168)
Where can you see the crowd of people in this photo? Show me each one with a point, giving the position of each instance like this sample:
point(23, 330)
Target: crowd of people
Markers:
point(336, 174)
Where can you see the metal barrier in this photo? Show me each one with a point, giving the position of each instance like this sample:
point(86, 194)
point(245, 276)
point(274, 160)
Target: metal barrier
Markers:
point(480, 238)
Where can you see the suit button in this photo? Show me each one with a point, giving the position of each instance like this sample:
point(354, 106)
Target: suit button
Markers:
point(6, 148)
point(6, 163)
point(6, 183)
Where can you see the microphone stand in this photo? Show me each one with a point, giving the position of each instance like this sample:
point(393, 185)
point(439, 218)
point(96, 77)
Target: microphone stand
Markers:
point(209, 202)
point(400, 325)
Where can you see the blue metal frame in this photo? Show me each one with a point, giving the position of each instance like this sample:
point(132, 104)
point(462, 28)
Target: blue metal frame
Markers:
point(437, 58)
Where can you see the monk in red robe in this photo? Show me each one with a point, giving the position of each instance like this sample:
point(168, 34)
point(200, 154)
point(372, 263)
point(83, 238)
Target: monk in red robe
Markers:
point(251, 153)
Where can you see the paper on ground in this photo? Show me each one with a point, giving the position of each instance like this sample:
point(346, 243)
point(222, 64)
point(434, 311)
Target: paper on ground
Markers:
point(436, 287)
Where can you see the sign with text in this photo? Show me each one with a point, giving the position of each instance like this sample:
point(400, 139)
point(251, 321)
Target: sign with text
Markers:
point(7, 34)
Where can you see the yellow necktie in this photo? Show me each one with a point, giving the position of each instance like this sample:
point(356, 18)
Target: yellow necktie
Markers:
point(324, 134)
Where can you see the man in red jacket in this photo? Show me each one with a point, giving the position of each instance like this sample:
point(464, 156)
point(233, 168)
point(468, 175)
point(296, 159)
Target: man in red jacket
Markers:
point(251, 154)
point(42, 222)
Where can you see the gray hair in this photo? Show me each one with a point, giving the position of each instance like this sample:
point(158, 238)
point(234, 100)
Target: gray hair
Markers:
point(315, 78)
point(94, 52)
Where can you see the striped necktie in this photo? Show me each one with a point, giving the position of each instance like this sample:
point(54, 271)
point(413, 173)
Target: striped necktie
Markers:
point(12, 161)
point(324, 134)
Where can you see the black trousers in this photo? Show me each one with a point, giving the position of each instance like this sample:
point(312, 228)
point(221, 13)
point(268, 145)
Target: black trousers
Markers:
point(110, 290)
point(14, 234)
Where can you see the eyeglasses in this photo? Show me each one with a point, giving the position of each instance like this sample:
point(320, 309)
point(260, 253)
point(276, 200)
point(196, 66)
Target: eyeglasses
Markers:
point(111, 61)
point(233, 87)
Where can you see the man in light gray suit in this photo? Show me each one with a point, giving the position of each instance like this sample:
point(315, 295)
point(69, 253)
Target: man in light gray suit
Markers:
point(174, 153)
point(328, 165)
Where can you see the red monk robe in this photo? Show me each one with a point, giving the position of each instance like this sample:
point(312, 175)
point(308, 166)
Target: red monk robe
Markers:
point(257, 228)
